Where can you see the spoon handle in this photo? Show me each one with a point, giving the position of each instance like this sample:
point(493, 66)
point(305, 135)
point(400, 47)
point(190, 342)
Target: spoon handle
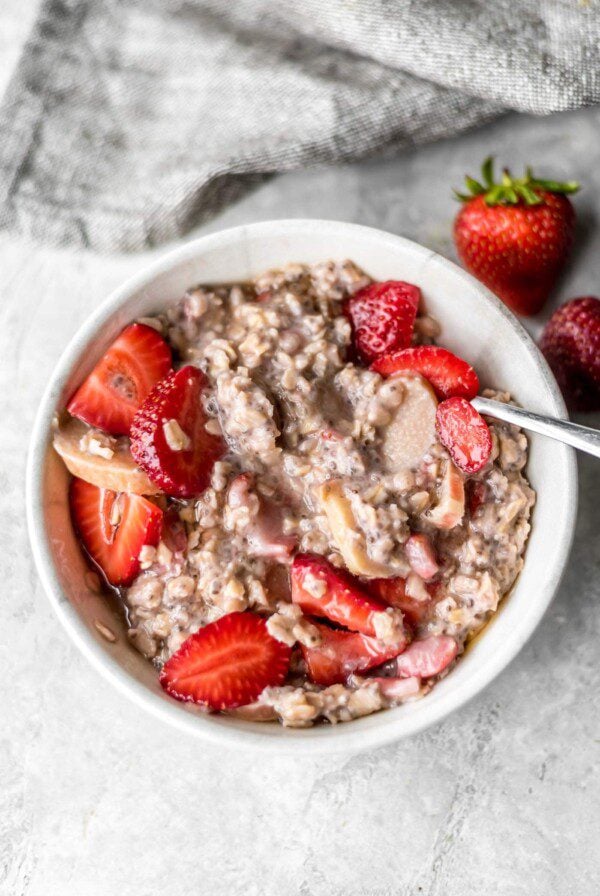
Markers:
point(582, 437)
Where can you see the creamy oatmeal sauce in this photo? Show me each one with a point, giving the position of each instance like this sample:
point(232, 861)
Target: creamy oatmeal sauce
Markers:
point(303, 422)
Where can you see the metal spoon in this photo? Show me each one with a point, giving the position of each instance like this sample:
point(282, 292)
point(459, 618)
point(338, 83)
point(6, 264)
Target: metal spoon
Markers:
point(582, 437)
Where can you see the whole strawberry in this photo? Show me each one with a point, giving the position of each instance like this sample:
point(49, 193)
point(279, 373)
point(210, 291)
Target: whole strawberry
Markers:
point(571, 344)
point(516, 235)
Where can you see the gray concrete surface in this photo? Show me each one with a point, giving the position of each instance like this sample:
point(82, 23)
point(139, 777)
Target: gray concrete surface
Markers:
point(96, 798)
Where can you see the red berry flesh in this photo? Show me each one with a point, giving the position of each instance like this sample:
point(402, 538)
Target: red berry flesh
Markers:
point(448, 374)
point(109, 397)
point(114, 539)
point(226, 664)
point(464, 433)
point(180, 470)
point(382, 317)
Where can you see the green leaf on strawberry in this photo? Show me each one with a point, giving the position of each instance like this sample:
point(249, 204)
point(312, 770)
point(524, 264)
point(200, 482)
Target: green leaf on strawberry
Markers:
point(512, 190)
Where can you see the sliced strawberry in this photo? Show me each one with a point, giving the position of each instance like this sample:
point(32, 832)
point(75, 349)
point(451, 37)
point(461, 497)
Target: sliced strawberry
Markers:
point(427, 657)
point(114, 536)
point(448, 374)
point(421, 556)
point(265, 536)
point(393, 593)
point(122, 379)
point(227, 663)
point(382, 317)
point(341, 653)
point(450, 508)
point(182, 470)
point(464, 433)
point(323, 590)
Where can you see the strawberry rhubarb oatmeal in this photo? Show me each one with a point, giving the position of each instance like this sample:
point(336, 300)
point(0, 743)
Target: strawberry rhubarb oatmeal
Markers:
point(286, 486)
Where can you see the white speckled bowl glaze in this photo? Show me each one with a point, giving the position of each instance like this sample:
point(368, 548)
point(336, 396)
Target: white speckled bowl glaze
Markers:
point(475, 324)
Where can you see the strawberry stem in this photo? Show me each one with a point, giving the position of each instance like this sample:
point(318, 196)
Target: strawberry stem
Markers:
point(487, 172)
point(511, 190)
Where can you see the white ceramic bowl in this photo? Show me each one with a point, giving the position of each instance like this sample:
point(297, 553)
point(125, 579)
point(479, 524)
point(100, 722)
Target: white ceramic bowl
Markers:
point(475, 324)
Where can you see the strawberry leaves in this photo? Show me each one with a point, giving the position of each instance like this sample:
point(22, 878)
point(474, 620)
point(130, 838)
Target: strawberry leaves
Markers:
point(511, 190)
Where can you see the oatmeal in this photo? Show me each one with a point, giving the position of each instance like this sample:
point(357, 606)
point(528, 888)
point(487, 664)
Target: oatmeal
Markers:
point(315, 504)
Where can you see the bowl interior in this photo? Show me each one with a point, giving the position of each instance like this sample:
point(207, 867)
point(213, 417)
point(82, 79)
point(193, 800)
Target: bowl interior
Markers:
point(474, 324)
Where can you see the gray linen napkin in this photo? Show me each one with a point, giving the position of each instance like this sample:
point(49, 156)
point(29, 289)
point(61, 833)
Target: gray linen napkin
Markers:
point(129, 121)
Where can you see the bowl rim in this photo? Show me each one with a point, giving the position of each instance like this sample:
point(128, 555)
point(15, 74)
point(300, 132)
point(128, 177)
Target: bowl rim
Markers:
point(339, 738)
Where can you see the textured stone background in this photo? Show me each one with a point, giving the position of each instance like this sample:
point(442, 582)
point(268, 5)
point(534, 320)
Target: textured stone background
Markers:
point(96, 798)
